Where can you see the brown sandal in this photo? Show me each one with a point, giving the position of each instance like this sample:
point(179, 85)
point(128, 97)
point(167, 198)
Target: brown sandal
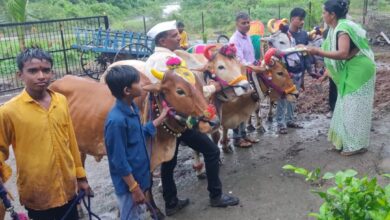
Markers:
point(252, 140)
point(350, 153)
point(242, 143)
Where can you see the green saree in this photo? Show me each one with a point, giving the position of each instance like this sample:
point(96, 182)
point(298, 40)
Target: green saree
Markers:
point(355, 79)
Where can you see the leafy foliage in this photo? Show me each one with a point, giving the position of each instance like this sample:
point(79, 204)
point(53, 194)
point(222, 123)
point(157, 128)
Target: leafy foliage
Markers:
point(351, 197)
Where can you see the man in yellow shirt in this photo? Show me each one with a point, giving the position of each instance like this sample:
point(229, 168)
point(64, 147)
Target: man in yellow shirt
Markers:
point(183, 36)
point(37, 124)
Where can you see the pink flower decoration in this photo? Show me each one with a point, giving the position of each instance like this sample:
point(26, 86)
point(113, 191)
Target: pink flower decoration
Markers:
point(228, 50)
point(173, 61)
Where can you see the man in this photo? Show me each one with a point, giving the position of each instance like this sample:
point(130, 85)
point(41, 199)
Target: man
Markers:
point(167, 39)
point(296, 65)
point(246, 55)
point(37, 124)
point(183, 36)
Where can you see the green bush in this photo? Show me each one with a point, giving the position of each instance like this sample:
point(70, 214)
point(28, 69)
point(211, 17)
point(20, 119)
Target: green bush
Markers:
point(351, 198)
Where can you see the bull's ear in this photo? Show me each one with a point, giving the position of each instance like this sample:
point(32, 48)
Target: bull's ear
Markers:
point(154, 87)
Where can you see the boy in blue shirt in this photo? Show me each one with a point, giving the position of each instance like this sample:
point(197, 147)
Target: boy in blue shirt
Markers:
point(125, 142)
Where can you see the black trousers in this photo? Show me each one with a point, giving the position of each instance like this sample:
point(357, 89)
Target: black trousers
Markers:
point(54, 213)
point(203, 144)
point(332, 94)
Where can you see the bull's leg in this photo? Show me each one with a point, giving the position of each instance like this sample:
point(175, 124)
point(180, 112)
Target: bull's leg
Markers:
point(259, 122)
point(199, 166)
point(250, 126)
point(152, 207)
point(225, 142)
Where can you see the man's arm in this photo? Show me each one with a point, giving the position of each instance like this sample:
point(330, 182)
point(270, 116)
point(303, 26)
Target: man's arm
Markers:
point(6, 134)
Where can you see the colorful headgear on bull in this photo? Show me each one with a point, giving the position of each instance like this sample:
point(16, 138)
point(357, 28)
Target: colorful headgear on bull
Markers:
point(316, 31)
point(268, 56)
point(274, 25)
point(228, 50)
point(180, 68)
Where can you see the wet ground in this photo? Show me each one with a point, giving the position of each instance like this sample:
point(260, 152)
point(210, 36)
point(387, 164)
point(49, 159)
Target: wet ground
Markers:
point(255, 175)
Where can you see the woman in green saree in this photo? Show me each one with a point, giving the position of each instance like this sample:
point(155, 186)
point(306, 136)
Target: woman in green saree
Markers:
point(351, 65)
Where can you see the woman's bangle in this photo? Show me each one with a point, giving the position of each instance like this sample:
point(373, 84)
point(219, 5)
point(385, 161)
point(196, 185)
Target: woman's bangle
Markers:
point(133, 187)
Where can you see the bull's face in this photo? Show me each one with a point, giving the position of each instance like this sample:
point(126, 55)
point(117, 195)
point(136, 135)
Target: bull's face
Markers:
point(227, 69)
point(281, 79)
point(184, 95)
point(279, 40)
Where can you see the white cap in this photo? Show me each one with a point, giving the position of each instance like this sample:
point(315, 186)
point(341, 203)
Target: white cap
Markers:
point(161, 27)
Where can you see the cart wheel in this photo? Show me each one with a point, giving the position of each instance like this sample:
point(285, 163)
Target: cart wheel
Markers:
point(134, 51)
point(222, 39)
point(94, 64)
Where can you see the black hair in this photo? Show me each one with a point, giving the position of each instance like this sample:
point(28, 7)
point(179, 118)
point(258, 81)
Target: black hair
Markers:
point(339, 7)
point(180, 24)
point(242, 15)
point(159, 37)
point(32, 53)
point(298, 12)
point(119, 77)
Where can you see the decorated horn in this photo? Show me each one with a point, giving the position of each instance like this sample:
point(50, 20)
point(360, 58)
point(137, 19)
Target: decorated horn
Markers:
point(206, 52)
point(270, 26)
point(268, 56)
point(159, 75)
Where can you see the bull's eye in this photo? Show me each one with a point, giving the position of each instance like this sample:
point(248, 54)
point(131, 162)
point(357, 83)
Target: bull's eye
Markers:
point(180, 92)
point(220, 67)
point(280, 73)
point(281, 42)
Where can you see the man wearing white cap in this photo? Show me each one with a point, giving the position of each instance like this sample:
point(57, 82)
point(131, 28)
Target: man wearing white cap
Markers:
point(167, 39)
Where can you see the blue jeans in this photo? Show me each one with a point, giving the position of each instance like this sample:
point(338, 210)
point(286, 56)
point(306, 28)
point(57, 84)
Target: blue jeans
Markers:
point(128, 209)
point(285, 109)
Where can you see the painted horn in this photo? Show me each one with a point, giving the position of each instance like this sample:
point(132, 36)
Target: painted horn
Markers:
point(206, 52)
point(270, 26)
point(159, 75)
point(268, 56)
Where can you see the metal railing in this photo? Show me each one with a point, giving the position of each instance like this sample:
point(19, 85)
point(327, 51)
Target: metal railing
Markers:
point(54, 36)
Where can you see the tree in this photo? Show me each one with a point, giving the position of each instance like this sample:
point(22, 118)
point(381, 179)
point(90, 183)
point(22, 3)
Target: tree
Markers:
point(17, 10)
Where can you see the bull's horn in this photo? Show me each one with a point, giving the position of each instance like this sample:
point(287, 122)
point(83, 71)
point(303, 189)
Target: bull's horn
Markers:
point(206, 52)
point(268, 56)
point(270, 26)
point(159, 75)
point(284, 21)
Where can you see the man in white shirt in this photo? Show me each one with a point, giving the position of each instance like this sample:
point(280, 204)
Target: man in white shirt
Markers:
point(167, 40)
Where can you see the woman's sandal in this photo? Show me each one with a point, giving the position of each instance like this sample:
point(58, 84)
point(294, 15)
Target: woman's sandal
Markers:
point(252, 140)
point(242, 143)
point(350, 153)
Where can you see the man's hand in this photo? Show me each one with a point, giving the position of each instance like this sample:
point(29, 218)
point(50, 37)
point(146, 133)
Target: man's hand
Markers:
point(138, 196)
point(82, 185)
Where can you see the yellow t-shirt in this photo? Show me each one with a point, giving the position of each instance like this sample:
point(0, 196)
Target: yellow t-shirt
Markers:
point(46, 153)
point(183, 40)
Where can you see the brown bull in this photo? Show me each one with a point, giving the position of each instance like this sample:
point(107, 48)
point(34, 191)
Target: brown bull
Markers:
point(90, 102)
point(236, 106)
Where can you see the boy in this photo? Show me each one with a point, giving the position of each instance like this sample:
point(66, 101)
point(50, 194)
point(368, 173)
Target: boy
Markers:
point(183, 36)
point(296, 65)
point(38, 125)
point(125, 142)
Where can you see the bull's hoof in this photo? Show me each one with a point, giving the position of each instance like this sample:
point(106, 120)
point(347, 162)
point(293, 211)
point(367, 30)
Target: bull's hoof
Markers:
point(202, 176)
point(227, 149)
point(260, 129)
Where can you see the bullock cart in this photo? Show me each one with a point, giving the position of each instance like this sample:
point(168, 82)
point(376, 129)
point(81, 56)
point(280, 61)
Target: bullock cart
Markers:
point(99, 48)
